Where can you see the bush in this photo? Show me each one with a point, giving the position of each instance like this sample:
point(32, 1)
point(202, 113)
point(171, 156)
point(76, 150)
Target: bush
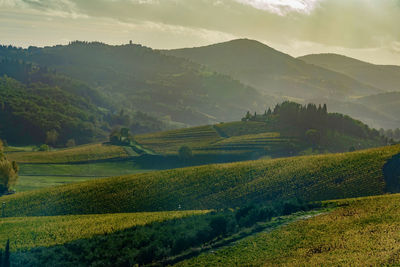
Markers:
point(219, 226)
point(185, 153)
point(70, 143)
point(8, 174)
point(44, 147)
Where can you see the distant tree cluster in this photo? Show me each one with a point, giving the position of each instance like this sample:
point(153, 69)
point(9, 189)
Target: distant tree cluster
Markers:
point(121, 136)
point(391, 134)
point(311, 122)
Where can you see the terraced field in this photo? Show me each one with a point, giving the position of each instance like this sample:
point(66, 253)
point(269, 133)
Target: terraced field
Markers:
point(77, 154)
point(169, 142)
point(242, 128)
point(362, 232)
point(31, 232)
point(265, 142)
point(322, 177)
point(225, 138)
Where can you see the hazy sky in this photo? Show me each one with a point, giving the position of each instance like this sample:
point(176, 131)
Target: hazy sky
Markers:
point(365, 29)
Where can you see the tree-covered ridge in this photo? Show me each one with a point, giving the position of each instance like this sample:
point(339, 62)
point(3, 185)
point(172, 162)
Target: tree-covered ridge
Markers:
point(29, 113)
point(314, 124)
point(143, 79)
point(72, 101)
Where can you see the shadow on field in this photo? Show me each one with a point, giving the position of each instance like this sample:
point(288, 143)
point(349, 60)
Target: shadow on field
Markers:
point(391, 172)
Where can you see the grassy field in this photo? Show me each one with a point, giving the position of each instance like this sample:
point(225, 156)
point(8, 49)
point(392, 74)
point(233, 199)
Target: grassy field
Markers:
point(35, 176)
point(31, 232)
point(77, 154)
point(323, 177)
point(362, 232)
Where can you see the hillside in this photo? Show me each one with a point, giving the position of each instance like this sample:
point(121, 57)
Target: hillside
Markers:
point(273, 72)
point(27, 233)
point(384, 77)
point(360, 232)
point(322, 177)
point(138, 78)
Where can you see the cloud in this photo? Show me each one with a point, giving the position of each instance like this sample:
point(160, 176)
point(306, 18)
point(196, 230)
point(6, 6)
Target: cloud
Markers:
point(367, 25)
point(282, 7)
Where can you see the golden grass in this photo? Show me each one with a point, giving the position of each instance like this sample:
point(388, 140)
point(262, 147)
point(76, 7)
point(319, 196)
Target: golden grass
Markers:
point(362, 232)
point(321, 177)
point(30, 232)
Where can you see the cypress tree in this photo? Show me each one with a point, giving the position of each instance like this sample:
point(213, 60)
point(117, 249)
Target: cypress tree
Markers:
point(6, 261)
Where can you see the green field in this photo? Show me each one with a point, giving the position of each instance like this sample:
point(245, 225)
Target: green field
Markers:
point(362, 232)
point(31, 232)
point(82, 153)
point(322, 177)
point(35, 176)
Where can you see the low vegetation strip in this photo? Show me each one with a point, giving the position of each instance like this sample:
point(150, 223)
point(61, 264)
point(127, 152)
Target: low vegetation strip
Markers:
point(363, 232)
point(322, 177)
point(77, 154)
point(31, 232)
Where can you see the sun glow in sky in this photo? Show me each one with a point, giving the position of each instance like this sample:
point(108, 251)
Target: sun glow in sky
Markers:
point(365, 29)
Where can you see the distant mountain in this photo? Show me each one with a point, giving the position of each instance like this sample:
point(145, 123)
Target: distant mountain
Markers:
point(139, 78)
point(384, 77)
point(273, 72)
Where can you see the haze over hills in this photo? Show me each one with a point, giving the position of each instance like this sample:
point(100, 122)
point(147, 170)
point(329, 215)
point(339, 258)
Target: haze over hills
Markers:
point(274, 72)
point(333, 79)
point(384, 77)
point(139, 78)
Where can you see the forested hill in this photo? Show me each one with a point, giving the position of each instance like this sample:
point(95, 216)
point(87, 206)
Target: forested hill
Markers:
point(136, 77)
point(37, 102)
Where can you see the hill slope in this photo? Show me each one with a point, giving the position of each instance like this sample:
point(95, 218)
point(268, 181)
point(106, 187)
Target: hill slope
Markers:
point(215, 186)
point(384, 77)
point(273, 72)
point(361, 232)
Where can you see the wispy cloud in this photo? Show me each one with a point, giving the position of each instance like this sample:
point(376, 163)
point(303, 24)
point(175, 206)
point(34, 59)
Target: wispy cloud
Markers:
point(282, 7)
point(364, 25)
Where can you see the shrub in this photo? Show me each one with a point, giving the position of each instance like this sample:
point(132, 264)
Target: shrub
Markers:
point(44, 147)
point(185, 153)
point(8, 174)
point(70, 143)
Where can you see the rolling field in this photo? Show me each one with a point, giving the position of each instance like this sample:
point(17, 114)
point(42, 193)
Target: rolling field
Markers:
point(31, 232)
point(362, 232)
point(77, 154)
point(321, 177)
point(36, 176)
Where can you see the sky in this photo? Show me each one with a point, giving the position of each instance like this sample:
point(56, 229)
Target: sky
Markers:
point(365, 29)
